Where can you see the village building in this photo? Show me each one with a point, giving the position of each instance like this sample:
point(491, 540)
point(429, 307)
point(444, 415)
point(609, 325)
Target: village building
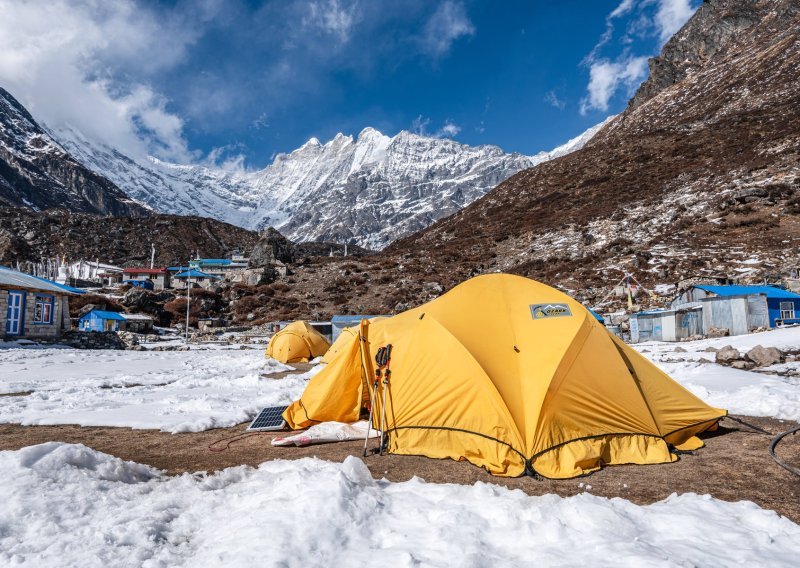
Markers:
point(101, 320)
point(731, 309)
point(196, 277)
point(138, 323)
point(222, 267)
point(88, 273)
point(160, 277)
point(32, 307)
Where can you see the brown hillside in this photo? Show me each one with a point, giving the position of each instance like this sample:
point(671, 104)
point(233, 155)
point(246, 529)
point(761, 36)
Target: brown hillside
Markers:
point(700, 176)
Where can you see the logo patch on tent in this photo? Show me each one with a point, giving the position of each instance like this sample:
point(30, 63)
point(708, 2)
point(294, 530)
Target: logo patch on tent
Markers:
point(542, 311)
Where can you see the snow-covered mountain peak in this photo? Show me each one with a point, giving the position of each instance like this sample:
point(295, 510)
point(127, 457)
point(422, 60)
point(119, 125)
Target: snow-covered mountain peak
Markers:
point(369, 190)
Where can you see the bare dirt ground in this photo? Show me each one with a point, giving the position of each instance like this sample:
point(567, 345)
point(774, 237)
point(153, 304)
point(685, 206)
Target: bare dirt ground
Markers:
point(734, 465)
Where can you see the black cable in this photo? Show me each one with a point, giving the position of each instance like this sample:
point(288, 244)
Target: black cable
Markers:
point(230, 440)
point(774, 443)
point(754, 427)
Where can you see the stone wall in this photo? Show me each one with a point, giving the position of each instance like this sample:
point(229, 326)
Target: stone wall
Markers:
point(3, 311)
point(60, 316)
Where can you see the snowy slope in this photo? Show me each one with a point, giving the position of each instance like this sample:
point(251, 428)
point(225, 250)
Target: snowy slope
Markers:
point(36, 171)
point(68, 505)
point(371, 190)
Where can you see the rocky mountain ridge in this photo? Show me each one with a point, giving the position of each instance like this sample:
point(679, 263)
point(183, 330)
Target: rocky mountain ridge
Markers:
point(37, 172)
point(367, 190)
point(29, 236)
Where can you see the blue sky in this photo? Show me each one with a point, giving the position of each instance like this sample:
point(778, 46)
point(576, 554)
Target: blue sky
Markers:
point(233, 82)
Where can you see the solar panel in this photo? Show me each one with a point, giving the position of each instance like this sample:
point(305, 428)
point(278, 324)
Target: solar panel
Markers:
point(269, 419)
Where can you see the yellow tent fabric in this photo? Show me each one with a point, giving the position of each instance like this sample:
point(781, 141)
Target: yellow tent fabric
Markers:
point(511, 375)
point(298, 342)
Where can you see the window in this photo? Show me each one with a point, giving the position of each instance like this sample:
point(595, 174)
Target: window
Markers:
point(787, 310)
point(43, 310)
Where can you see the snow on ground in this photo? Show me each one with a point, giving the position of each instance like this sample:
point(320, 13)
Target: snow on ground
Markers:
point(175, 391)
point(215, 386)
point(68, 505)
point(740, 392)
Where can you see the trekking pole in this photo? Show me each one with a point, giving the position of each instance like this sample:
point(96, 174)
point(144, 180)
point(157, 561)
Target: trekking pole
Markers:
point(386, 375)
point(373, 395)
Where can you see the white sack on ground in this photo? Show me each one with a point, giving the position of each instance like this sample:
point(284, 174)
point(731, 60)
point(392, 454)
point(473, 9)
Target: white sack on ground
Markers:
point(328, 432)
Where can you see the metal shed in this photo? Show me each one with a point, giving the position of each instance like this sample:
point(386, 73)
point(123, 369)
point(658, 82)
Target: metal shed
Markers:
point(338, 323)
point(101, 320)
point(666, 325)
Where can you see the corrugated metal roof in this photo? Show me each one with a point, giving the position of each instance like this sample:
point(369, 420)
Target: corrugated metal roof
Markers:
point(102, 314)
point(195, 274)
point(353, 318)
point(144, 271)
point(768, 291)
point(218, 261)
point(10, 277)
point(137, 317)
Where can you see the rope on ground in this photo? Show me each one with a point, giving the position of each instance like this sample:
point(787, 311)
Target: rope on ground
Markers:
point(773, 444)
point(753, 426)
point(230, 441)
point(775, 441)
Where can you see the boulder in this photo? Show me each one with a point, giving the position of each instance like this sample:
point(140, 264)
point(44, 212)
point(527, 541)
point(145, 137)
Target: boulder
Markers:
point(727, 355)
point(679, 350)
point(270, 247)
point(742, 365)
point(765, 356)
point(433, 288)
point(718, 332)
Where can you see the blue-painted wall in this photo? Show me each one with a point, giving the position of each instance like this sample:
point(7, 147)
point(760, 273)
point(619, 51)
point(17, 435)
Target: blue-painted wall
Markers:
point(774, 307)
point(95, 322)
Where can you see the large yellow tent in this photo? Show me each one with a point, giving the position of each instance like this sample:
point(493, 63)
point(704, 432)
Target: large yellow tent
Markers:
point(511, 375)
point(298, 342)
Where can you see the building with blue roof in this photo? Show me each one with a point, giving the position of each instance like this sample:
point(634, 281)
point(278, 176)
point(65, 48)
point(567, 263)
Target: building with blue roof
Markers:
point(732, 308)
point(195, 276)
point(101, 320)
point(221, 267)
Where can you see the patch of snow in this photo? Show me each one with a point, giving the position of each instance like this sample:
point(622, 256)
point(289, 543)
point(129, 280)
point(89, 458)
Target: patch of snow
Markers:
point(175, 391)
point(68, 505)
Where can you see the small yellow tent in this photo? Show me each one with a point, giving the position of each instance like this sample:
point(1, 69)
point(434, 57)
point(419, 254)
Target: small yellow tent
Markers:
point(513, 376)
point(298, 342)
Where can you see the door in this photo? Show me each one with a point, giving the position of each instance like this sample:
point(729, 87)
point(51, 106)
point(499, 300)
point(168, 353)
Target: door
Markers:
point(15, 313)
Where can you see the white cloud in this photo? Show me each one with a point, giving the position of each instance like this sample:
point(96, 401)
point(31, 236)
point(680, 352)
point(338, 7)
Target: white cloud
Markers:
point(448, 130)
point(449, 23)
point(649, 18)
point(671, 15)
point(622, 9)
point(332, 17)
point(421, 124)
point(61, 60)
point(607, 77)
point(552, 99)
